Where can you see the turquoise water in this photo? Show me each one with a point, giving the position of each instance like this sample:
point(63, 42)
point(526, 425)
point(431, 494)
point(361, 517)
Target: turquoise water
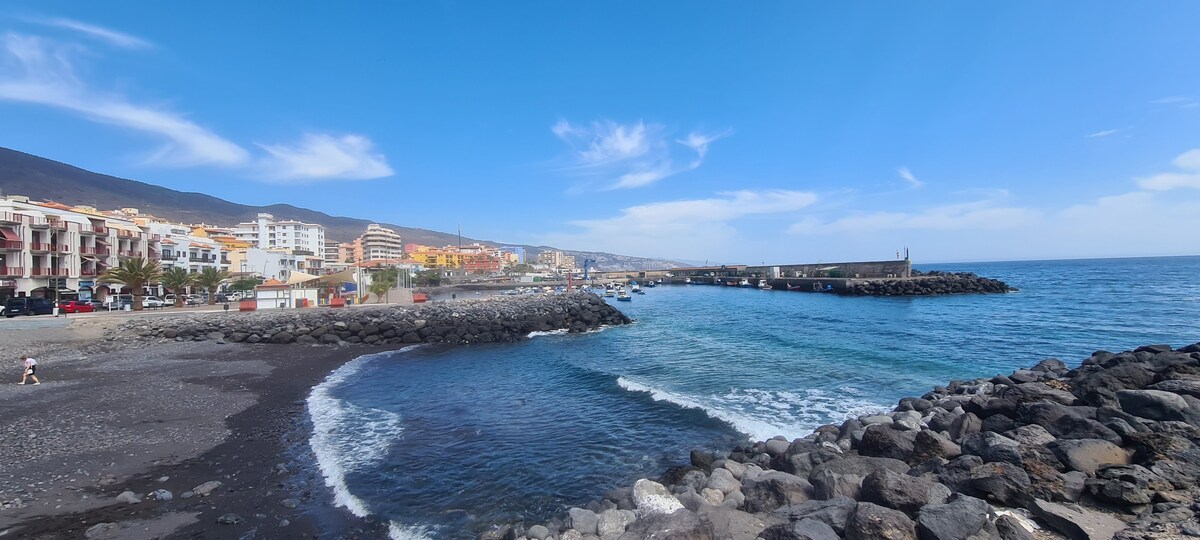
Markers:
point(443, 441)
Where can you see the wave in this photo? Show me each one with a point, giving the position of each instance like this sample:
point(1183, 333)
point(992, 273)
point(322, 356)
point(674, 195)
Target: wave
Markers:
point(763, 414)
point(564, 331)
point(347, 437)
point(399, 531)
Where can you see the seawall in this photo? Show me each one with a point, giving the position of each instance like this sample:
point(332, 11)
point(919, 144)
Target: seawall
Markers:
point(498, 319)
point(1108, 450)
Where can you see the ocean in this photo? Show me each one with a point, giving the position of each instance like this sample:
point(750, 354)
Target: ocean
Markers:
point(442, 442)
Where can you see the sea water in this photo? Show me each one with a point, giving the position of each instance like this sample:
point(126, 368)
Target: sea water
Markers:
point(442, 441)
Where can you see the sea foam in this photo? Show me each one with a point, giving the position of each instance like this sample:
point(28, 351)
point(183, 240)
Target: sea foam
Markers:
point(347, 437)
point(763, 414)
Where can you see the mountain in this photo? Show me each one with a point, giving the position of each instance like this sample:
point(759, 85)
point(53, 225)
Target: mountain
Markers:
point(43, 179)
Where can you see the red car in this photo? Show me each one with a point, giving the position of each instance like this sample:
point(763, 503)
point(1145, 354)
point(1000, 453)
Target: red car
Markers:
point(74, 306)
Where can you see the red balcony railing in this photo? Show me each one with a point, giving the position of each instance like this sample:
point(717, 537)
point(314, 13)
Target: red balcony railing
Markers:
point(99, 230)
point(33, 221)
point(38, 246)
point(87, 272)
point(12, 244)
point(12, 271)
point(131, 253)
point(57, 223)
point(56, 272)
point(60, 247)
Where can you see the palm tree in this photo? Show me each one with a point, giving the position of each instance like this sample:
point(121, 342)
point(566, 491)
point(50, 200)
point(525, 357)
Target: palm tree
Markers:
point(135, 273)
point(177, 281)
point(386, 280)
point(210, 278)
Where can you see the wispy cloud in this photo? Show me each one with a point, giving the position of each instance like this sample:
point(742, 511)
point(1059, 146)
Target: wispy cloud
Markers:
point(112, 37)
point(321, 156)
point(907, 176)
point(1103, 133)
point(42, 72)
point(1182, 102)
point(634, 155)
point(984, 214)
point(1187, 177)
point(684, 228)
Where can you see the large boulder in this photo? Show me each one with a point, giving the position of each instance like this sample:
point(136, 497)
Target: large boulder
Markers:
point(961, 518)
point(722, 480)
point(805, 529)
point(1099, 386)
point(881, 440)
point(612, 522)
point(678, 525)
point(1065, 422)
point(1086, 455)
point(843, 477)
point(733, 524)
point(833, 512)
point(1004, 483)
point(1184, 387)
point(1076, 523)
point(1156, 405)
point(902, 492)
point(873, 522)
point(773, 489)
point(930, 444)
point(652, 498)
point(582, 520)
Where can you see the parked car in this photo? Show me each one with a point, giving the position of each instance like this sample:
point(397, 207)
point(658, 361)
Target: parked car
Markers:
point(192, 300)
point(221, 299)
point(27, 306)
point(116, 301)
point(75, 306)
point(153, 302)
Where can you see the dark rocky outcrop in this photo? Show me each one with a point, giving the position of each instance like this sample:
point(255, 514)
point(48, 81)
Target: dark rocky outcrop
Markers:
point(927, 283)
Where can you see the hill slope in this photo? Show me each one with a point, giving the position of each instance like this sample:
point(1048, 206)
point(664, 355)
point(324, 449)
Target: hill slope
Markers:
point(43, 179)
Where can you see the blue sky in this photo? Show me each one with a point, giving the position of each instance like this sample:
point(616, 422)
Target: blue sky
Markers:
point(789, 132)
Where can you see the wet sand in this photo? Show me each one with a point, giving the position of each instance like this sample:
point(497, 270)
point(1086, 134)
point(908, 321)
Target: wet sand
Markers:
point(114, 417)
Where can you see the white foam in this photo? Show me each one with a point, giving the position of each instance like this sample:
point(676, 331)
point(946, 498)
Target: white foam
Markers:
point(345, 436)
point(559, 332)
point(400, 531)
point(763, 414)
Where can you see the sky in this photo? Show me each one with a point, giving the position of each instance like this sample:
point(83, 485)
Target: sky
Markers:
point(782, 132)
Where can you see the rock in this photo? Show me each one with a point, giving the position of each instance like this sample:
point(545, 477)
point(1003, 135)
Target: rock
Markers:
point(230, 519)
point(1187, 387)
point(776, 447)
point(965, 425)
point(1086, 455)
point(694, 479)
point(956, 474)
point(101, 530)
point(539, 532)
point(572, 534)
point(773, 489)
point(733, 524)
point(961, 518)
point(884, 441)
point(980, 443)
point(652, 498)
point(128, 497)
point(734, 468)
point(874, 522)
point(612, 523)
point(1099, 387)
point(583, 520)
point(1004, 483)
point(930, 444)
point(734, 499)
point(290, 503)
point(712, 496)
point(723, 480)
point(162, 495)
point(1030, 435)
point(805, 529)
point(1012, 529)
point(843, 477)
point(207, 488)
point(1155, 405)
point(1076, 523)
point(833, 512)
point(679, 525)
point(902, 492)
point(881, 419)
point(701, 459)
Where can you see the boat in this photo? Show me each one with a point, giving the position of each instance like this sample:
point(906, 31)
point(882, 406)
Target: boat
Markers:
point(608, 293)
point(762, 284)
point(687, 281)
point(650, 284)
point(633, 286)
point(744, 283)
point(639, 291)
point(624, 297)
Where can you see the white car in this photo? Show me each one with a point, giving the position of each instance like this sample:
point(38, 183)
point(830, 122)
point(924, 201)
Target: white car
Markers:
point(153, 302)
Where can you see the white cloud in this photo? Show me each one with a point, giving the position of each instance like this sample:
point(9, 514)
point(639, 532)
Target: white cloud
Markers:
point(1189, 177)
point(636, 154)
point(975, 215)
point(907, 176)
point(1180, 101)
point(42, 72)
point(321, 156)
point(684, 228)
point(106, 35)
point(1103, 133)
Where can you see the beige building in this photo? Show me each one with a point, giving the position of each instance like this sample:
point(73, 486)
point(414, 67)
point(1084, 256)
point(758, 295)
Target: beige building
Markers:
point(379, 243)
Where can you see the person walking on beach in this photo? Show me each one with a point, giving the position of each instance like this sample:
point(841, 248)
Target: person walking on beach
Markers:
point(29, 370)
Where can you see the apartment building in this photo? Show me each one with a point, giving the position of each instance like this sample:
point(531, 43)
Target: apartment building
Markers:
point(265, 232)
point(179, 246)
point(379, 243)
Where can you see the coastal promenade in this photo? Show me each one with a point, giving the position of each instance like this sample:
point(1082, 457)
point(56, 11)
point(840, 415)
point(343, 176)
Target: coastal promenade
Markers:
point(133, 434)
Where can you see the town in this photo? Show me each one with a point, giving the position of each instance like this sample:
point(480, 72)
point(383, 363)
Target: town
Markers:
point(61, 253)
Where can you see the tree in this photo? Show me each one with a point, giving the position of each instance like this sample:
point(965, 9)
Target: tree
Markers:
point(245, 284)
point(177, 281)
point(383, 281)
point(135, 273)
point(428, 278)
point(522, 269)
point(210, 278)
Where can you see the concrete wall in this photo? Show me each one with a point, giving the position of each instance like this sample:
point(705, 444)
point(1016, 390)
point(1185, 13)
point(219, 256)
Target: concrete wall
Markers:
point(871, 269)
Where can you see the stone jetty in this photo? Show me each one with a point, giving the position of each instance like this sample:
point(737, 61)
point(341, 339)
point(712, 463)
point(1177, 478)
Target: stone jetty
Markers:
point(500, 319)
point(1108, 450)
point(927, 283)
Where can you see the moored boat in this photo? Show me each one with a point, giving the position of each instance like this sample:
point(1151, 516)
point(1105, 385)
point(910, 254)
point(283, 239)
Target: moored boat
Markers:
point(624, 297)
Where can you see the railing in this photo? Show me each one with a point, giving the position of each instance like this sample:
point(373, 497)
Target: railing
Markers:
point(128, 234)
point(38, 246)
point(87, 272)
point(12, 271)
point(33, 221)
point(57, 272)
point(84, 250)
point(9, 217)
point(169, 256)
point(12, 244)
point(60, 247)
point(56, 223)
point(131, 253)
point(99, 229)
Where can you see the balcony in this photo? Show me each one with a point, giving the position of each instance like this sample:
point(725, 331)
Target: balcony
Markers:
point(88, 272)
point(38, 246)
point(35, 222)
point(57, 224)
point(169, 256)
point(9, 217)
point(202, 259)
point(49, 272)
point(11, 245)
point(12, 271)
point(128, 234)
point(60, 248)
point(130, 253)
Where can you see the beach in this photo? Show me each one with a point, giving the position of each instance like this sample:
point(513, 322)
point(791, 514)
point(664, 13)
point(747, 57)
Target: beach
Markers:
point(169, 416)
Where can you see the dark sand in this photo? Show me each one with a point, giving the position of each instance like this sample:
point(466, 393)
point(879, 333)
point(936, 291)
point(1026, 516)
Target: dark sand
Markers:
point(172, 415)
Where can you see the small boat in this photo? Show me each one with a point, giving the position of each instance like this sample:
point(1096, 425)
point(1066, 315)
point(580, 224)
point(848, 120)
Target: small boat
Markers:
point(639, 291)
point(624, 297)
point(608, 293)
point(650, 284)
point(744, 283)
point(687, 281)
point(633, 286)
point(762, 284)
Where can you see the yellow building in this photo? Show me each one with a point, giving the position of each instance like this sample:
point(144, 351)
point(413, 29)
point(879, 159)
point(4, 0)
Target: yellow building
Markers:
point(439, 258)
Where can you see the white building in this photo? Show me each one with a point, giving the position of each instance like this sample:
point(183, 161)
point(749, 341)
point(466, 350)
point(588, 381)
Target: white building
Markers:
point(178, 247)
point(268, 233)
point(381, 243)
point(275, 264)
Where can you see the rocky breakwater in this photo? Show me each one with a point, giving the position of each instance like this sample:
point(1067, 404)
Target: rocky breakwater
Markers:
point(500, 319)
point(928, 283)
point(1108, 450)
